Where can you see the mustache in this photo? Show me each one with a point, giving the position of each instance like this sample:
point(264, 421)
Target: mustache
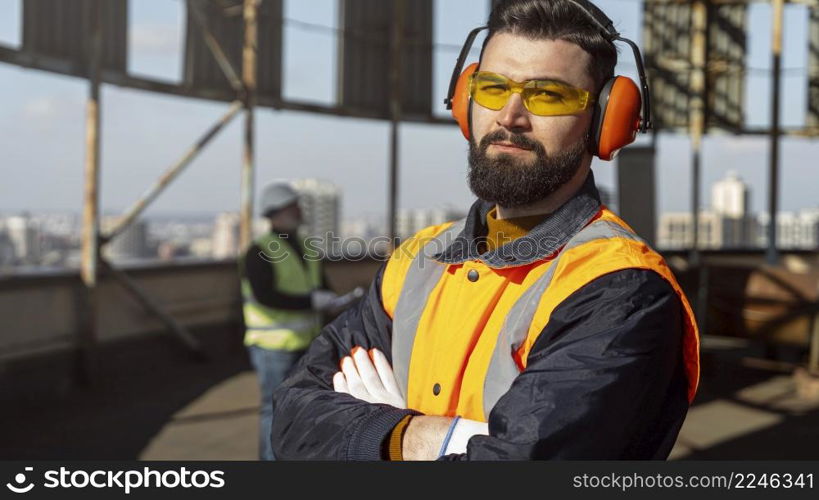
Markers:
point(518, 140)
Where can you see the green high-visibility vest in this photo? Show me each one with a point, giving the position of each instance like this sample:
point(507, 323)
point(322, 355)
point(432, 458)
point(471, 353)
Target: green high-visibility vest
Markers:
point(280, 329)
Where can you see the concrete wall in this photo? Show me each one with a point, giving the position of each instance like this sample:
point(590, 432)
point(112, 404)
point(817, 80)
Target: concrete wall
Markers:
point(45, 312)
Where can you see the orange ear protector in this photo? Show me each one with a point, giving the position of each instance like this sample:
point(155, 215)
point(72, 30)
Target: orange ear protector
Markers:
point(618, 107)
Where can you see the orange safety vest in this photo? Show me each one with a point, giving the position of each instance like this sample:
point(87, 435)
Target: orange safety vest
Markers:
point(462, 332)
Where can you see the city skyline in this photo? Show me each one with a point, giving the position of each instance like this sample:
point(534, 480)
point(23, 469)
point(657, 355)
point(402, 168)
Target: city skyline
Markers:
point(729, 223)
point(51, 240)
point(143, 132)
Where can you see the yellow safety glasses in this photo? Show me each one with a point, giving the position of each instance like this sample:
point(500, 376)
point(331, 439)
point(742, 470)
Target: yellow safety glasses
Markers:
point(540, 97)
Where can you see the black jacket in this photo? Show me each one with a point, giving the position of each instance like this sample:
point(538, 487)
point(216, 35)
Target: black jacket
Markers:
point(605, 379)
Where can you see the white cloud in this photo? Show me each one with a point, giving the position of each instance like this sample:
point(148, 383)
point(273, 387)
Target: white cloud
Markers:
point(45, 113)
point(155, 38)
point(41, 107)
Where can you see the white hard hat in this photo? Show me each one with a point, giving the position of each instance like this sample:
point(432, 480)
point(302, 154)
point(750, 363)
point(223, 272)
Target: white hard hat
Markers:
point(277, 196)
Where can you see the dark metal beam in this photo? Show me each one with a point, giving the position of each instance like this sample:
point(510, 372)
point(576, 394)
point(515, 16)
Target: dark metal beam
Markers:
point(772, 255)
point(181, 333)
point(395, 116)
point(215, 48)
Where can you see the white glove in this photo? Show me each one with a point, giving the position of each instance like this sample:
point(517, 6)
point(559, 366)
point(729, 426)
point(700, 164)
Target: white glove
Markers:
point(322, 300)
point(465, 429)
point(368, 380)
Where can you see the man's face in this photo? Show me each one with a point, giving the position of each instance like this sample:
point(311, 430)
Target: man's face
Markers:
point(287, 219)
point(516, 157)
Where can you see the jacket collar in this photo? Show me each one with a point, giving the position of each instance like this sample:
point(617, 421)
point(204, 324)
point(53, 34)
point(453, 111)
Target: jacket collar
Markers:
point(543, 240)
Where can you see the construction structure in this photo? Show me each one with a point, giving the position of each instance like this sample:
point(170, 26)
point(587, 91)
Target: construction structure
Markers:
point(695, 56)
point(696, 59)
point(233, 53)
point(695, 53)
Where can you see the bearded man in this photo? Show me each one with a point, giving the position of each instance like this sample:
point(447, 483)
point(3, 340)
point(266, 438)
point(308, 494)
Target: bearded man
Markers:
point(538, 327)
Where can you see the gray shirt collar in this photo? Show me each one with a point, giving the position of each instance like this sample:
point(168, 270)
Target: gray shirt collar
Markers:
point(543, 240)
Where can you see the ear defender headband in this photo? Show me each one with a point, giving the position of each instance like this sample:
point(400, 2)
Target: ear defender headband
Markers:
point(617, 111)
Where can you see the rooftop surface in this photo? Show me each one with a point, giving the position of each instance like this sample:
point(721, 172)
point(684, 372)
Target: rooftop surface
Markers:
point(746, 409)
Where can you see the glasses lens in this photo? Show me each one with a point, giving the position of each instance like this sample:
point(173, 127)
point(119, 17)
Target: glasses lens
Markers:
point(490, 90)
point(541, 97)
point(551, 98)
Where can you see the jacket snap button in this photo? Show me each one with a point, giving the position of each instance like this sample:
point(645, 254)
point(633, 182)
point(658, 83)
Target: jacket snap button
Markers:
point(473, 275)
point(436, 389)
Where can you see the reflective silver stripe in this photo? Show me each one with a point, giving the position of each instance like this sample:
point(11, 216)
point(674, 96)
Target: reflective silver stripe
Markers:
point(295, 325)
point(421, 278)
point(502, 369)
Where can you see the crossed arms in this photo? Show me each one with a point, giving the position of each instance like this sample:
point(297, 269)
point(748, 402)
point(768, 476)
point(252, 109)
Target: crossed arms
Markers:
point(603, 381)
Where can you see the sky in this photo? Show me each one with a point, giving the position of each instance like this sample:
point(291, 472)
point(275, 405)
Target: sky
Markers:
point(42, 125)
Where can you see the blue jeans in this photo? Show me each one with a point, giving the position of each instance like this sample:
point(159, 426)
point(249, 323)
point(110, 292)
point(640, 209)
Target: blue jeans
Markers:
point(272, 367)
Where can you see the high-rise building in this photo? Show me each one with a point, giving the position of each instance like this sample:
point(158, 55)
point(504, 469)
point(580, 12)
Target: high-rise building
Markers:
point(676, 230)
point(793, 230)
point(319, 201)
point(226, 236)
point(7, 252)
point(728, 224)
point(730, 196)
point(25, 237)
point(130, 244)
point(809, 219)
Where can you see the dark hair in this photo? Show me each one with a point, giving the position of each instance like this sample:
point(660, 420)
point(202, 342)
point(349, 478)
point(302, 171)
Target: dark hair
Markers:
point(556, 20)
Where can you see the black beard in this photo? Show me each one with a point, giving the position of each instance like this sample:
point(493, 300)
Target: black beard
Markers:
point(509, 182)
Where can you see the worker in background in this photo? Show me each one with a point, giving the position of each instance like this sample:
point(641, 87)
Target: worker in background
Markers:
point(540, 326)
point(284, 292)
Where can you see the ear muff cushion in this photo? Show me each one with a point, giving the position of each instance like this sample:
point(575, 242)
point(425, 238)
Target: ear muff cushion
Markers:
point(460, 101)
point(599, 114)
point(619, 107)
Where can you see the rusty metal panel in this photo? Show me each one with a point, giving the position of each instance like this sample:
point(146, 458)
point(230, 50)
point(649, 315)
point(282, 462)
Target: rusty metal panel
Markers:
point(364, 65)
point(667, 52)
point(224, 20)
point(727, 44)
point(667, 49)
point(813, 69)
point(59, 29)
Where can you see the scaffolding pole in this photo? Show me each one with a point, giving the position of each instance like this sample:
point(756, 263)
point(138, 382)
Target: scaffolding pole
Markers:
point(172, 173)
point(699, 55)
point(153, 192)
point(771, 254)
point(395, 117)
point(89, 266)
point(249, 53)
